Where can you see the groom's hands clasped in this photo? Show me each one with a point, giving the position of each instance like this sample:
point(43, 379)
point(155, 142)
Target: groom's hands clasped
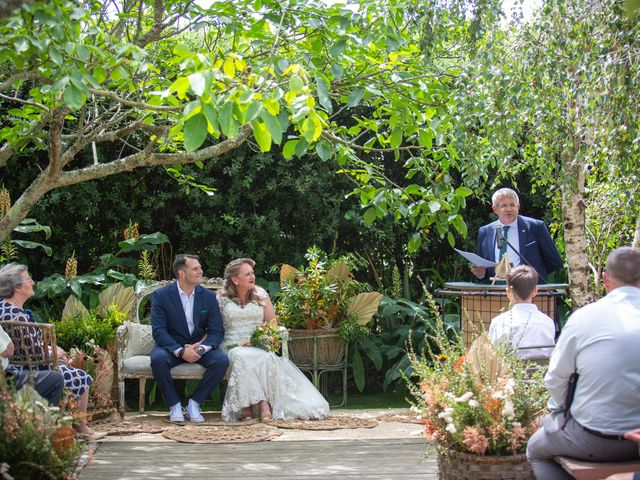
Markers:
point(191, 353)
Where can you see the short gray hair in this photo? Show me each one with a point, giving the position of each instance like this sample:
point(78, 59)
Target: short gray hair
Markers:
point(504, 192)
point(10, 278)
point(623, 265)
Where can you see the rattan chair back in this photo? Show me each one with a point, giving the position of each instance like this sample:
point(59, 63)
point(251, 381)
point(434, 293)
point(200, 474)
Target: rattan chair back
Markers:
point(34, 343)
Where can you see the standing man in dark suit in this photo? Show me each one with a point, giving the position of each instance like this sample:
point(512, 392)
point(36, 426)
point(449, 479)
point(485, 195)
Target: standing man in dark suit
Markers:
point(187, 327)
point(530, 237)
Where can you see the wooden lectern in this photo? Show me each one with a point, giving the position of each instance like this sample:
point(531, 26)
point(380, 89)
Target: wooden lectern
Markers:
point(480, 303)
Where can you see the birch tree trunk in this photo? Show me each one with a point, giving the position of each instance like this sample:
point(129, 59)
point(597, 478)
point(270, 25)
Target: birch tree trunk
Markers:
point(573, 211)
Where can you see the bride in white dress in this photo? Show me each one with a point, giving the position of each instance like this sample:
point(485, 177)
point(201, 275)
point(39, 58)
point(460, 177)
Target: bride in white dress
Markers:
point(274, 384)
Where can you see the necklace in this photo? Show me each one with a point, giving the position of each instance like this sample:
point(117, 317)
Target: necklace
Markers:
point(516, 344)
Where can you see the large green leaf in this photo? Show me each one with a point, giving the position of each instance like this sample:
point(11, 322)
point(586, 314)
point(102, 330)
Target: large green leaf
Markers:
point(273, 125)
point(73, 97)
point(289, 149)
point(195, 132)
point(30, 225)
point(33, 245)
point(357, 366)
point(262, 135)
point(372, 351)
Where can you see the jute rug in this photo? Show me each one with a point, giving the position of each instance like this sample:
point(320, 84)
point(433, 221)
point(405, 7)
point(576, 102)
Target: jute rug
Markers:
point(202, 433)
point(157, 424)
point(329, 423)
point(407, 417)
point(215, 430)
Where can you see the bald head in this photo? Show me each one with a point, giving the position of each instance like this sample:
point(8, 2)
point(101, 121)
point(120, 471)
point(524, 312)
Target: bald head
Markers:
point(623, 267)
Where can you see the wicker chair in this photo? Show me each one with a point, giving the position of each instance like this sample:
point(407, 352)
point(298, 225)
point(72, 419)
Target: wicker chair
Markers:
point(27, 352)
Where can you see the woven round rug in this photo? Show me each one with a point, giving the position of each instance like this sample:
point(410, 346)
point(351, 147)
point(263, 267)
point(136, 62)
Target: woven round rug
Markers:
point(329, 423)
point(258, 432)
point(159, 423)
point(129, 427)
point(405, 417)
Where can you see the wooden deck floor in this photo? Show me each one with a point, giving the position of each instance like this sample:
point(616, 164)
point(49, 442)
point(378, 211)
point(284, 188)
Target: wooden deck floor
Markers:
point(336, 459)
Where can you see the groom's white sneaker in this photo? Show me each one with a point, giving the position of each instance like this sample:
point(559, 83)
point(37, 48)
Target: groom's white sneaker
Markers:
point(193, 412)
point(175, 415)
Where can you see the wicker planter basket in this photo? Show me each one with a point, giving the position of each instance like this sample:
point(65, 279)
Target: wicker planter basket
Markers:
point(464, 466)
point(313, 348)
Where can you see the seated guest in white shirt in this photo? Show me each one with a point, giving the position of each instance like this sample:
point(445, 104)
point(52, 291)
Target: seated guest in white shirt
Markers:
point(597, 354)
point(524, 325)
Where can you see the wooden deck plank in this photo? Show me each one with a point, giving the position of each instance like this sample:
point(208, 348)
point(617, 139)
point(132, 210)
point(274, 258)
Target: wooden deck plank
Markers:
point(347, 459)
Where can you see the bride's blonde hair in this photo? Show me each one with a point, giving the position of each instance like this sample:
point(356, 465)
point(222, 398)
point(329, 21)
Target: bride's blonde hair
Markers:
point(229, 289)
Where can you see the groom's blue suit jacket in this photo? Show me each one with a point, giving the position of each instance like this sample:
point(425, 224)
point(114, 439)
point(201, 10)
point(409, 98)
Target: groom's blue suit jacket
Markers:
point(535, 246)
point(169, 324)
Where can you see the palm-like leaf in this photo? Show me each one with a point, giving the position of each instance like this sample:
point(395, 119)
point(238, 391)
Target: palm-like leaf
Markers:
point(73, 308)
point(287, 272)
point(116, 294)
point(364, 306)
point(339, 273)
point(485, 362)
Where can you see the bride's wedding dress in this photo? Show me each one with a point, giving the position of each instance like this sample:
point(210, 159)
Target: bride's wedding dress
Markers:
point(259, 375)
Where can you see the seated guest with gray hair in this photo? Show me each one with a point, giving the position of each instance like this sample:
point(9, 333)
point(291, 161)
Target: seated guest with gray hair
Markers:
point(16, 287)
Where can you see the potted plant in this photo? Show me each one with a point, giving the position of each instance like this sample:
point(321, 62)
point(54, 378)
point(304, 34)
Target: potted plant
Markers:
point(479, 406)
point(323, 307)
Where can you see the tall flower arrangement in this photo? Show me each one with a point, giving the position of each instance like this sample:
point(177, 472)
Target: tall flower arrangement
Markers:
point(324, 295)
point(482, 401)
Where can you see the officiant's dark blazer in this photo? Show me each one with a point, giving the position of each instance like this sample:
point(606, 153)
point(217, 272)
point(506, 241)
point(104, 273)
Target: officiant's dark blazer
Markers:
point(535, 245)
point(169, 324)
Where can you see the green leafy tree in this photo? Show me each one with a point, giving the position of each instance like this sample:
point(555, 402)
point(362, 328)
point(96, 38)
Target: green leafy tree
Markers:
point(559, 96)
point(190, 83)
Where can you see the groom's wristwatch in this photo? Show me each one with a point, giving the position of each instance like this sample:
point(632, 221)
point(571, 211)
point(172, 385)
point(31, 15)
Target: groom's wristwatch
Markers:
point(201, 350)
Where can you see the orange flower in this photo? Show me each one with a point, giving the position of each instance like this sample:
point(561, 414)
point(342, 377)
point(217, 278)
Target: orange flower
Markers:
point(458, 365)
point(429, 428)
point(63, 438)
point(493, 406)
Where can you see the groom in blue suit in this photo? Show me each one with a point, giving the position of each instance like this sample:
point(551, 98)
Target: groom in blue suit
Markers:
point(529, 236)
point(187, 327)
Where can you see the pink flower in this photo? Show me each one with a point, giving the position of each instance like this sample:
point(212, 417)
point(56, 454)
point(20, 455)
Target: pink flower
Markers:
point(475, 440)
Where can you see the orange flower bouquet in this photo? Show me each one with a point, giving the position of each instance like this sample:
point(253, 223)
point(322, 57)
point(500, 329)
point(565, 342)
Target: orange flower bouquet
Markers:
point(481, 401)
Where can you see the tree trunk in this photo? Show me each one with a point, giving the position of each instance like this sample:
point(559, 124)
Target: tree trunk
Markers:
point(53, 178)
point(573, 210)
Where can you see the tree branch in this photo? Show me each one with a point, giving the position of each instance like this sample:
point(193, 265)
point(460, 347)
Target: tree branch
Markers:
point(8, 83)
point(147, 158)
point(131, 103)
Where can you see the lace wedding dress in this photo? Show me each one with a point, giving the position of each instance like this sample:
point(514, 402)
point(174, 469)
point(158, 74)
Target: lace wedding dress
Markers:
point(259, 375)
